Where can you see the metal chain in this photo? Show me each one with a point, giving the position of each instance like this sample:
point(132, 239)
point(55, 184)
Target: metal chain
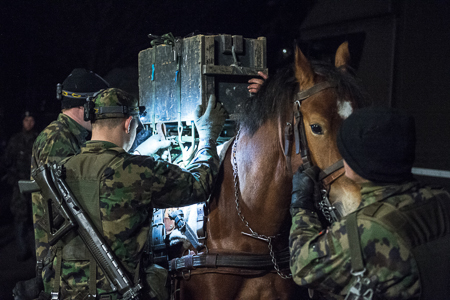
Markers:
point(254, 234)
point(275, 264)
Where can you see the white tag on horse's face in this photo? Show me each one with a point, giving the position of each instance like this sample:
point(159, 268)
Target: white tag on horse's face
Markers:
point(344, 109)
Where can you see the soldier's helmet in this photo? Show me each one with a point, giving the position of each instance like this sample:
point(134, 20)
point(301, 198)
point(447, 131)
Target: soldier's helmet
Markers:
point(79, 85)
point(112, 103)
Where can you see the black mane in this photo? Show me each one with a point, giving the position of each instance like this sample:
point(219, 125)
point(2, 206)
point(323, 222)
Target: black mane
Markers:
point(278, 92)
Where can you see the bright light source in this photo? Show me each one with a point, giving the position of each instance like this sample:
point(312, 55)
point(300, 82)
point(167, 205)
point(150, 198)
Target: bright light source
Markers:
point(284, 51)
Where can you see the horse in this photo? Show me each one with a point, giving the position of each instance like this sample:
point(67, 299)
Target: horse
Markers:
point(246, 245)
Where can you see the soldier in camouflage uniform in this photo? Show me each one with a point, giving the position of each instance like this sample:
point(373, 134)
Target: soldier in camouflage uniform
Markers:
point(61, 139)
point(402, 226)
point(17, 160)
point(119, 191)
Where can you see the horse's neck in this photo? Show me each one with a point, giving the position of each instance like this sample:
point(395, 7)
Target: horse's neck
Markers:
point(264, 183)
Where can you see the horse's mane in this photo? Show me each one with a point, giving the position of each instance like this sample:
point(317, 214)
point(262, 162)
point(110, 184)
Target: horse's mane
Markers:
point(278, 92)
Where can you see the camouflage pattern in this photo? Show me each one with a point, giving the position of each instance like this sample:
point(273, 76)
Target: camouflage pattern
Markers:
point(18, 154)
point(130, 187)
point(61, 139)
point(17, 159)
point(320, 258)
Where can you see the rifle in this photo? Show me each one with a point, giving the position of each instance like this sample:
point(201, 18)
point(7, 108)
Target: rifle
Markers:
point(49, 180)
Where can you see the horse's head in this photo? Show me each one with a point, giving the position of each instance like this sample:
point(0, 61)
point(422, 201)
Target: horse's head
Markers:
point(324, 107)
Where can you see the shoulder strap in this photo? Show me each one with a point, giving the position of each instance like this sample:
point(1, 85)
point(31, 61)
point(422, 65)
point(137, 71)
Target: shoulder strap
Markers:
point(354, 243)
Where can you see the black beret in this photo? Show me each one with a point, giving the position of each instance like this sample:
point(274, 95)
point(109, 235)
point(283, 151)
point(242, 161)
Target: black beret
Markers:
point(378, 143)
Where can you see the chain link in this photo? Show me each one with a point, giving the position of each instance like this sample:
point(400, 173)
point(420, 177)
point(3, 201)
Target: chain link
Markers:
point(254, 234)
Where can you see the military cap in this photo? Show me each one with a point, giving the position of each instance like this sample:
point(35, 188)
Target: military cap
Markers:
point(114, 103)
point(79, 85)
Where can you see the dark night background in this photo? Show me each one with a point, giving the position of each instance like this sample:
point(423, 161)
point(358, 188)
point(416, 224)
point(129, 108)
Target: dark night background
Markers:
point(43, 41)
point(400, 50)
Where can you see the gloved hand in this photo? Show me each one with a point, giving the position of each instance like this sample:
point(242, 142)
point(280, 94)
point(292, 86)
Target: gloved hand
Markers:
point(303, 188)
point(152, 145)
point(211, 123)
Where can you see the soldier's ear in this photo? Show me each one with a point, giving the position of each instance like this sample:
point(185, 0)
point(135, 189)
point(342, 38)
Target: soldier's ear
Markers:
point(128, 124)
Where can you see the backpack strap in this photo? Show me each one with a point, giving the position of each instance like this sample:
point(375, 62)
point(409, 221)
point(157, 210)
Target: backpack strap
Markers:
point(362, 287)
point(57, 280)
point(355, 244)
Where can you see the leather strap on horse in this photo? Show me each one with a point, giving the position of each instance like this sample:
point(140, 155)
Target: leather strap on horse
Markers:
point(331, 173)
point(210, 260)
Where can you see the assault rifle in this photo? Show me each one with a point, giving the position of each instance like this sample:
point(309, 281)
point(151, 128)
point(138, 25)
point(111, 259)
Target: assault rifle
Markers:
point(65, 213)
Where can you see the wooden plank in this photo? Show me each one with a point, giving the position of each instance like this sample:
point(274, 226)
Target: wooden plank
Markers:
point(231, 70)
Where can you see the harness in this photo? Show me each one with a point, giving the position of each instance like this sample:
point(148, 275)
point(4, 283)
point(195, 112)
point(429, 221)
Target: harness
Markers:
point(71, 247)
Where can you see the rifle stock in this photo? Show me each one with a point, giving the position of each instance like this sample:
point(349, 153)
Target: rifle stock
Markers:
point(28, 186)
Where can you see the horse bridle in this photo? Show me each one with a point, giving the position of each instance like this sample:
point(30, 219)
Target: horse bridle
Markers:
point(326, 176)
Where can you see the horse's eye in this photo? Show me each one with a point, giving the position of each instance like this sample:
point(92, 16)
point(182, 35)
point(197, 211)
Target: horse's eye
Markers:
point(316, 129)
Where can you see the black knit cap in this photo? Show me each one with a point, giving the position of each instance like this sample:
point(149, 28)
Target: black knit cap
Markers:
point(378, 143)
point(79, 85)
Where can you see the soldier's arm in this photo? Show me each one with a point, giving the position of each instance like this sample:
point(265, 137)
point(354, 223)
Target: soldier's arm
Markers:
point(317, 256)
point(168, 185)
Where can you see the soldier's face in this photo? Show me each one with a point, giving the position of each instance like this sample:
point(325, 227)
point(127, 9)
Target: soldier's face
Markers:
point(28, 123)
point(352, 175)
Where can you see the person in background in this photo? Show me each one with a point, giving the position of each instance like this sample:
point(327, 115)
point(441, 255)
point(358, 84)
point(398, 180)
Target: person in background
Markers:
point(17, 159)
point(396, 244)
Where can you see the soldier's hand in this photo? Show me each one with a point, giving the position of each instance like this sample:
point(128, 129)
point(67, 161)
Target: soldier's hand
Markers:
point(256, 83)
point(210, 124)
point(303, 185)
point(152, 145)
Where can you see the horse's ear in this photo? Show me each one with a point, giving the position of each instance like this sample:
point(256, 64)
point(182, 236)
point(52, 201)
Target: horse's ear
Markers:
point(342, 58)
point(303, 71)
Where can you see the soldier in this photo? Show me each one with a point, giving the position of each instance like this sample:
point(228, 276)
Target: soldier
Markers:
point(396, 244)
point(119, 191)
point(61, 139)
point(17, 160)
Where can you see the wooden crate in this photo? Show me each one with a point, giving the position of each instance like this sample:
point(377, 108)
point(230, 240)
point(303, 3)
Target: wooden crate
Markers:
point(174, 79)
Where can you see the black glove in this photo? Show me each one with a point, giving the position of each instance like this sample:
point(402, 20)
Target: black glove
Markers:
point(303, 187)
point(211, 123)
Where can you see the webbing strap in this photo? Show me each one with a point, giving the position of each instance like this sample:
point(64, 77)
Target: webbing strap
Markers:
point(354, 243)
point(92, 276)
point(57, 280)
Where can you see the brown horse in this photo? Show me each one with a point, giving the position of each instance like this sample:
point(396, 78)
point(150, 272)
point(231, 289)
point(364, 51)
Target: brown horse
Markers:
point(249, 209)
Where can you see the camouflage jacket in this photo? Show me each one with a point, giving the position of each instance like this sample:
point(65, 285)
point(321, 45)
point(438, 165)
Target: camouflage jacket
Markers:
point(60, 139)
point(18, 155)
point(320, 258)
point(130, 186)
